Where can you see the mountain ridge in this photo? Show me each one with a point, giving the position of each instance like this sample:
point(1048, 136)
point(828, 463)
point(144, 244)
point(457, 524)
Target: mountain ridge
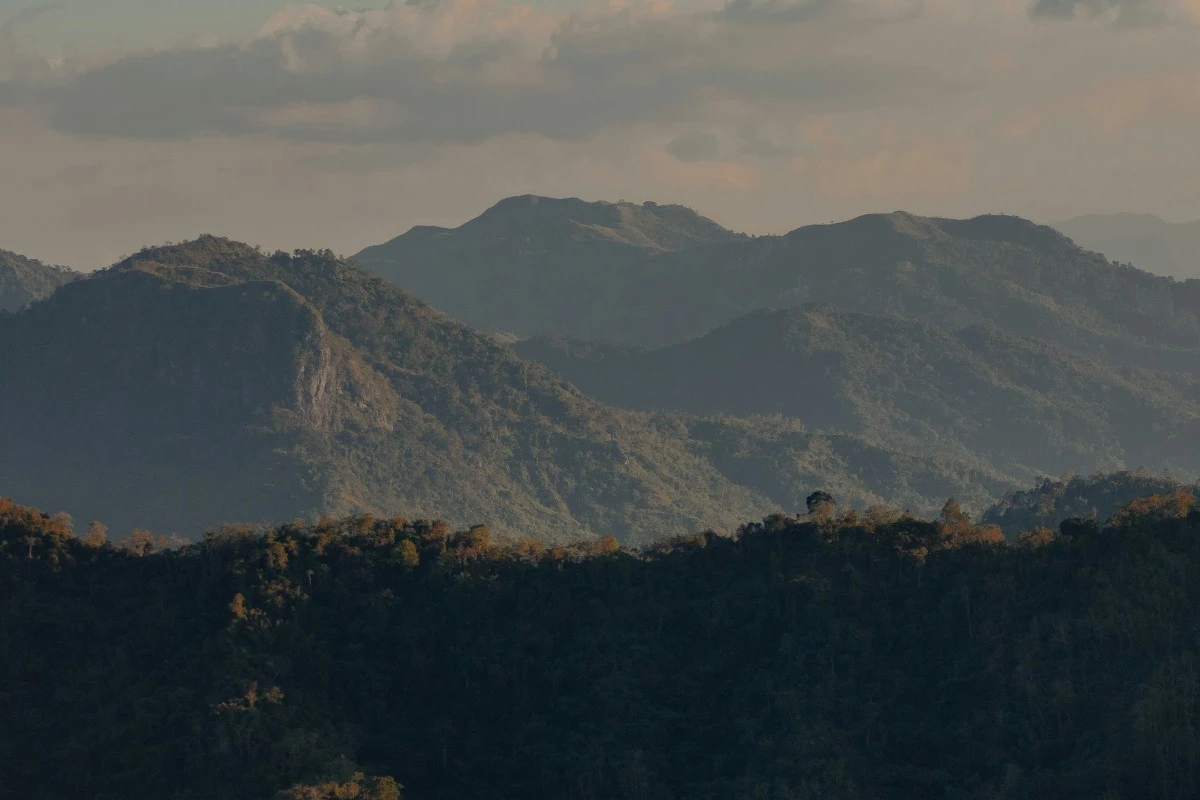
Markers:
point(1026, 278)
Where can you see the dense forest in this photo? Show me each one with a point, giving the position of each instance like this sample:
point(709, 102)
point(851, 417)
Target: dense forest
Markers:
point(826, 655)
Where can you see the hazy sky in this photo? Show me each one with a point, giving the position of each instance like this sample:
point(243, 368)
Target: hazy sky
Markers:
point(128, 122)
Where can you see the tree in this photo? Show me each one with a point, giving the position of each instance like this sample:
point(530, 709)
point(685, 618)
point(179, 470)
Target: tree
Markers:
point(821, 505)
point(953, 520)
point(97, 534)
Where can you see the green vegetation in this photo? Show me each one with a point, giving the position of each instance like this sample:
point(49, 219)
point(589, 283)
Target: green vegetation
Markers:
point(783, 459)
point(1002, 404)
point(1095, 497)
point(834, 655)
point(23, 280)
point(205, 382)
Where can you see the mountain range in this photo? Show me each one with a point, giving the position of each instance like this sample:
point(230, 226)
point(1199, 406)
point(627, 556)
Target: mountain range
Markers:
point(1024, 407)
point(1146, 241)
point(1023, 278)
point(205, 382)
point(657, 373)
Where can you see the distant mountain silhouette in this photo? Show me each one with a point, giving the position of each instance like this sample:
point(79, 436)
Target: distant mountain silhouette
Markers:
point(1024, 407)
point(1026, 279)
point(23, 280)
point(1146, 241)
point(536, 264)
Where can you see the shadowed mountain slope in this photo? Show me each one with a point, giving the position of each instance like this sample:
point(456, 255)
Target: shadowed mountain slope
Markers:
point(976, 393)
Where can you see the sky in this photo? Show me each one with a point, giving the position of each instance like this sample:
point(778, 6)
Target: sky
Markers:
point(132, 122)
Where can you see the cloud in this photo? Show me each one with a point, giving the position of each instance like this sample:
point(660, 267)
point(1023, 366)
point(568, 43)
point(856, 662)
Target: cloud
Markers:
point(917, 168)
point(1137, 13)
point(15, 62)
point(708, 176)
point(696, 146)
point(470, 70)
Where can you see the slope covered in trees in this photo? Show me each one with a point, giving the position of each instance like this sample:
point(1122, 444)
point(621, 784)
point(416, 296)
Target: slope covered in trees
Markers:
point(1094, 497)
point(205, 382)
point(23, 280)
point(1023, 278)
point(823, 656)
point(1020, 406)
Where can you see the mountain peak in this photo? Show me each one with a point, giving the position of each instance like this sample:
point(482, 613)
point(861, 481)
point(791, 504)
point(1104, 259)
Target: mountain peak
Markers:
point(648, 225)
point(530, 256)
point(206, 251)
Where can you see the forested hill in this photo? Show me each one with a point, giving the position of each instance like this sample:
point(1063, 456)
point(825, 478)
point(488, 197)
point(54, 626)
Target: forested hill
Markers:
point(1024, 407)
point(205, 382)
point(1024, 278)
point(23, 280)
point(535, 264)
point(826, 656)
point(1096, 497)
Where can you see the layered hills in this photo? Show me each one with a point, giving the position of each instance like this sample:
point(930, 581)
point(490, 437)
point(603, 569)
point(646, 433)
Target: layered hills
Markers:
point(23, 280)
point(205, 382)
point(1023, 278)
point(909, 359)
point(1024, 407)
point(208, 382)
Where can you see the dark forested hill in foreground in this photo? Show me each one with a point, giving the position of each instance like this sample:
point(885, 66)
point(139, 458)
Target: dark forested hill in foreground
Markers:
point(1023, 407)
point(23, 280)
point(828, 656)
point(1026, 279)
